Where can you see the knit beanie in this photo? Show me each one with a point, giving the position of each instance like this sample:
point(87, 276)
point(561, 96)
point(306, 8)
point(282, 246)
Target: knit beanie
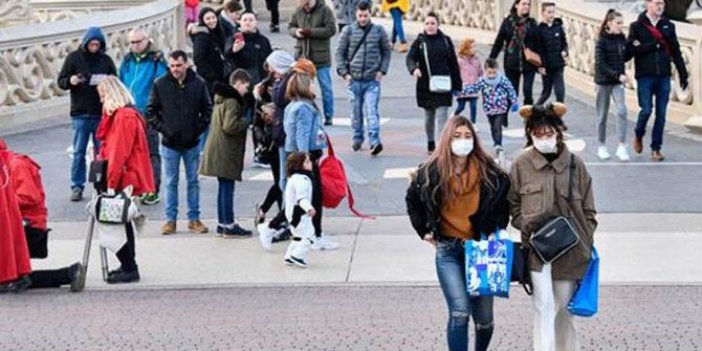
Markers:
point(280, 61)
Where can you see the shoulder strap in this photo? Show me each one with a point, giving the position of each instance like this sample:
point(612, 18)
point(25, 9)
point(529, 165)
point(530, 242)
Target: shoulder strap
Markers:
point(426, 57)
point(572, 178)
point(360, 43)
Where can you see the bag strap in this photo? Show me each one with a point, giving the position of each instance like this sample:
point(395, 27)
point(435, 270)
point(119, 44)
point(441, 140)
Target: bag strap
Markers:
point(571, 180)
point(660, 38)
point(426, 57)
point(330, 147)
point(360, 43)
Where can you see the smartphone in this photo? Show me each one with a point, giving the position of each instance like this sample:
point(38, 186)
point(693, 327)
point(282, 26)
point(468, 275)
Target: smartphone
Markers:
point(238, 36)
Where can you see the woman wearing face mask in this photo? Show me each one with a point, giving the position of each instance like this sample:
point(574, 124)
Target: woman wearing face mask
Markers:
point(456, 195)
point(540, 186)
point(435, 48)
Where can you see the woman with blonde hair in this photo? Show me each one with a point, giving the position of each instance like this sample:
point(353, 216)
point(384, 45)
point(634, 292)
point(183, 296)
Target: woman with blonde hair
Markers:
point(458, 194)
point(471, 70)
point(122, 135)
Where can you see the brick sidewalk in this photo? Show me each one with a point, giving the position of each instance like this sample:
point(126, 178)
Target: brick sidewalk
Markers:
point(648, 318)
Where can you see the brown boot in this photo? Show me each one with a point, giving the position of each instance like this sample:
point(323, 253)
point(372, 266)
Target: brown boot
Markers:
point(638, 145)
point(403, 48)
point(168, 228)
point(657, 156)
point(196, 226)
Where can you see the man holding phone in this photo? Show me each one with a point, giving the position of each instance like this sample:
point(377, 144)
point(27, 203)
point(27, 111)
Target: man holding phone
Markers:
point(82, 71)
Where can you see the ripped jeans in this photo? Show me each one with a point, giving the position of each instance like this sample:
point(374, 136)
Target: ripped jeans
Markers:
point(450, 268)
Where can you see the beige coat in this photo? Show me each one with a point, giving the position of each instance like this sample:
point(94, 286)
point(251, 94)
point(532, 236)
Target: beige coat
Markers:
point(536, 186)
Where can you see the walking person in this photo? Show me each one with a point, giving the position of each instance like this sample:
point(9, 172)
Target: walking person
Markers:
point(180, 108)
point(540, 179)
point(397, 10)
point(138, 71)
point(345, 12)
point(471, 71)
point(299, 210)
point(124, 146)
point(655, 47)
point(304, 133)
point(312, 25)
point(225, 149)
point(554, 51)
point(611, 54)
point(517, 33)
point(82, 70)
point(433, 54)
point(273, 7)
point(497, 94)
point(456, 195)
point(363, 59)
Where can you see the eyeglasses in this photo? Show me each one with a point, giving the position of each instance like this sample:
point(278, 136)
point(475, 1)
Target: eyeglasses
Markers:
point(134, 42)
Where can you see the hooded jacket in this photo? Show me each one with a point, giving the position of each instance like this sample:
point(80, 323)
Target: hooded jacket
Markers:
point(320, 23)
point(123, 144)
point(553, 42)
point(180, 112)
point(139, 72)
point(84, 96)
point(653, 58)
point(252, 56)
point(26, 178)
point(14, 252)
point(498, 94)
point(208, 53)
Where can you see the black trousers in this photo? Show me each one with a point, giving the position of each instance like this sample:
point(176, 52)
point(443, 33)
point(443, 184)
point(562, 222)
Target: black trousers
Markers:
point(317, 192)
point(552, 81)
point(514, 77)
point(496, 123)
point(50, 278)
point(126, 255)
point(274, 195)
point(272, 6)
point(247, 6)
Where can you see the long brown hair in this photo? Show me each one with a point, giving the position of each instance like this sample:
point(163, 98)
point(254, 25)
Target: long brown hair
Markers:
point(611, 14)
point(299, 87)
point(442, 160)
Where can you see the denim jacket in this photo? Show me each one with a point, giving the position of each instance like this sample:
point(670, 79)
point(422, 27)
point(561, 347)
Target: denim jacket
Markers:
point(303, 127)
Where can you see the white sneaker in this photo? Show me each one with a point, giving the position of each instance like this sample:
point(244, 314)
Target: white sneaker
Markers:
point(603, 153)
point(622, 153)
point(324, 243)
point(265, 236)
point(500, 153)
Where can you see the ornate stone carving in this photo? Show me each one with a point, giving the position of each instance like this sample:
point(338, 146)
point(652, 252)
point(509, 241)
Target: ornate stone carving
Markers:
point(14, 12)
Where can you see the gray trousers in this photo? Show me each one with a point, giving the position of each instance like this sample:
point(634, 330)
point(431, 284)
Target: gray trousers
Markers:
point(616, 92)
point(432, 123)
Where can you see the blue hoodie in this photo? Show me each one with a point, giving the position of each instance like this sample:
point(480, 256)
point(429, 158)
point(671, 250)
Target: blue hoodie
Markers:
point(138, 73)
point(93, 33)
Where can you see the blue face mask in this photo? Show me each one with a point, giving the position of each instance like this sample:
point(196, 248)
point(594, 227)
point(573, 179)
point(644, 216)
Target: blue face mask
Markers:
point(492, 81)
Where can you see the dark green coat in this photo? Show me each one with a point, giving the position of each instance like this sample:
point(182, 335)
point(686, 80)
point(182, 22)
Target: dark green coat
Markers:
point(322, 26)
point(226, 144)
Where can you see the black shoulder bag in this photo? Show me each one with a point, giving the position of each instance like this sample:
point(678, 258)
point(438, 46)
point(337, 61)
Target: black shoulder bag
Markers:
point(558, 236)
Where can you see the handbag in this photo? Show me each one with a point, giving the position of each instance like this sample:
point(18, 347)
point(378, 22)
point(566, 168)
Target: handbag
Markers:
point(557, 236)
point(98, 175)
point(437, 84)
point(584, 301)
point(520, 267)
point(113, 209)
point(37, 241)
point(488, 266)
point(532, 57)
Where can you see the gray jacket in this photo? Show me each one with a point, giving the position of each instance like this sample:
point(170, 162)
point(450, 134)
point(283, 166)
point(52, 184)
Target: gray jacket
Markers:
point(372, 56)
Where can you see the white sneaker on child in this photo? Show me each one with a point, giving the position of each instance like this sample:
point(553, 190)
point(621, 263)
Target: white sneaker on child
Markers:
point(622, 153)
point(265, 236)
point(323, 243)
point(603, 153)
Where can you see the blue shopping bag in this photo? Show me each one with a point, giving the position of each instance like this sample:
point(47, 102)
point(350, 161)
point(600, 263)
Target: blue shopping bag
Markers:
point(584, 301)
point(489, 266)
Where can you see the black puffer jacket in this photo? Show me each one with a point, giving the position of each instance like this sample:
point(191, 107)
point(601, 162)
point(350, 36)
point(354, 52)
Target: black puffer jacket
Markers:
point(179, 112)
point(424, 210)
point(611, 55)
point(653, 58)
point(443, 60)
point(514, 51)
point(552, 41)
point(251, 57)
point(208, 52)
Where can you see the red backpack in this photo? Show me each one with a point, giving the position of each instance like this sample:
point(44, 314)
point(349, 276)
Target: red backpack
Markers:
point(335, 185)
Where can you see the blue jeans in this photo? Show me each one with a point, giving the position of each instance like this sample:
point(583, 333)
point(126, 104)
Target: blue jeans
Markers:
point(171, 164)
point(225, 201)
point(325, 84)
point(84, 127)
point(364, 96)
point(472, 103)
point(647, 88)
point(203, 139)
point(450, 268)
point(397, 29)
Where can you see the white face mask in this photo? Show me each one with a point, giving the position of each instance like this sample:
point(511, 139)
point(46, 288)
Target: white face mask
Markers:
point(462, 147)
point(545, 145)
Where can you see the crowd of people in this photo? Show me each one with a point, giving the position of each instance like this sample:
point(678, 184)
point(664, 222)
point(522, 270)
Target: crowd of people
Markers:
point(156, 110)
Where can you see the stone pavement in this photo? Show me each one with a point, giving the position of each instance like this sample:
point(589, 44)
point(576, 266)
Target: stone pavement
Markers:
point(343, 318)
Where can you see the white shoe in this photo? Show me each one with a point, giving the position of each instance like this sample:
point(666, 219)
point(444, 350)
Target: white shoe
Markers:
point(324, 243)
point(265, 236)
point(603, 153)
point(500, 153)
point(622, 153)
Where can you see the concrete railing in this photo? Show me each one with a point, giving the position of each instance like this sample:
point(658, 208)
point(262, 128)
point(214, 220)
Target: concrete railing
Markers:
point(581, 22)
point(32, 55)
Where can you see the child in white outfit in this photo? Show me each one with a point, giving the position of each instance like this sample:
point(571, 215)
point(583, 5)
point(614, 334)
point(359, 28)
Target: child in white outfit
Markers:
point(298, 208)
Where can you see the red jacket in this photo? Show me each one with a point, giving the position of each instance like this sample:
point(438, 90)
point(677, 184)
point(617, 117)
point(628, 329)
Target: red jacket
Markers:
point(123, 144)
point(26, 179)
point(14, 253)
